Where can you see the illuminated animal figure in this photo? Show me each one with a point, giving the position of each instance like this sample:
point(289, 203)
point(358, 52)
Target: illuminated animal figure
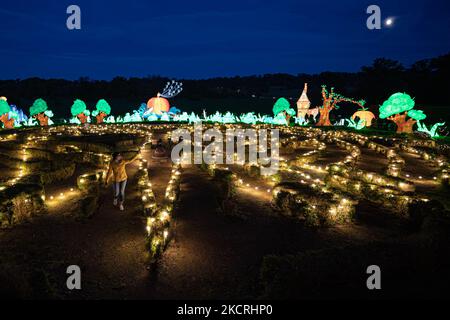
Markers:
point(313, 112)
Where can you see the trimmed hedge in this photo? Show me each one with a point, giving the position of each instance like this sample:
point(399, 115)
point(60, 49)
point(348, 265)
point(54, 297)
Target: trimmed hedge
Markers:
point(21, 201)
point(315, 206)
point(59, 174)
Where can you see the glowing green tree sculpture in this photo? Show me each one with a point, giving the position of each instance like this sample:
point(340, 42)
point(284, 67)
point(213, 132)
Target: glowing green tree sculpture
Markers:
point(330, 101)
point(398, 108)
point(39, 110)
point(80, 111)
point(283, 106)
point(4, 115)
point(103, 110)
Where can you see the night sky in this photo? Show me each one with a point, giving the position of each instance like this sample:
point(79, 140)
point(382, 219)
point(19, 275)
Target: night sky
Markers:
point(201, 39)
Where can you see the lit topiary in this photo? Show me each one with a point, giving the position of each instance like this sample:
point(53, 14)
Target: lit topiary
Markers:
point(39, 110)
point(417, 115)
point(398, 108)
point(103, 110)
point(80, 111)
point(4, 115)
point(282, 106)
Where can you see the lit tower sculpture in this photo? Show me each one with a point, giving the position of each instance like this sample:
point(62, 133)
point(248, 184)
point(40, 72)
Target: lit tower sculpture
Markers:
point(303, 103)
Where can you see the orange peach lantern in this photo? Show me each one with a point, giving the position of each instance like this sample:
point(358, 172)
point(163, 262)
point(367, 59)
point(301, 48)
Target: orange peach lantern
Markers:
point(158, 104)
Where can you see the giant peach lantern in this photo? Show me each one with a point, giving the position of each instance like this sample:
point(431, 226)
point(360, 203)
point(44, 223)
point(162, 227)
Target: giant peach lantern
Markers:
point(158, 105)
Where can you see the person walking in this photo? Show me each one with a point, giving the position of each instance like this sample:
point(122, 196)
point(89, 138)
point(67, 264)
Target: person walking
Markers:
point(117, 170)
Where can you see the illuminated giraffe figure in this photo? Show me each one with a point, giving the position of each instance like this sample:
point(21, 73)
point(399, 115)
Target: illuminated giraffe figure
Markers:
point(303, 103)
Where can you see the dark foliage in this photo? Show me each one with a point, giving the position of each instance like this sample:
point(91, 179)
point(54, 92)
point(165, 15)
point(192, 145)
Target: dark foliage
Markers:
point(426, 80)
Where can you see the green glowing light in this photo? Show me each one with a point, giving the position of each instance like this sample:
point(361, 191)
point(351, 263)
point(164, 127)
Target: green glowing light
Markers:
point(39, 106)
point(397, 103)
point(281, 105)
point(417, 115)
point(361, 124)
point(78, 107)
point(102, 106)
point(4, 107)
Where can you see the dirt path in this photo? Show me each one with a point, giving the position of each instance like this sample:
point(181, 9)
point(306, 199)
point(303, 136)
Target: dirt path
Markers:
point(108, 248)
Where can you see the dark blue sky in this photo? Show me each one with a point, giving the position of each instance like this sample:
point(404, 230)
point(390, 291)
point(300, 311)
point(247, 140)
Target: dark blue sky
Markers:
point(198, 39)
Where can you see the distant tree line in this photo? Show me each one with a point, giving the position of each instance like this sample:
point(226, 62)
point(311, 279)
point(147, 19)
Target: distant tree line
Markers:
point(426, 80)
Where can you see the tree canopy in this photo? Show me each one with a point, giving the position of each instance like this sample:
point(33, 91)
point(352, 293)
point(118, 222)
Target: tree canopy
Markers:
point(78, 107)
point(38, 106)
point(396, 104)
point(417, 115)
point(282, 105)
point(103, 106)
point(4, 107)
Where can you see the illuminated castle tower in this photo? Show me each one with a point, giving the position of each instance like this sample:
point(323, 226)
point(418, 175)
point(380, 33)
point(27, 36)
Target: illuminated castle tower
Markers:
point(303, 103)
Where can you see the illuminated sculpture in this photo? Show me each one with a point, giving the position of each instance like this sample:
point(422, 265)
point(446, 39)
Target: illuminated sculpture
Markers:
point(229, 118)
point(312, 113)
point(280, 120)
point(249, 118)
point(18, 114)
point(398, 108)
point(193, 118)
point(39, 110)
point(8, 122)
point(282, 108)
point(303, 103)
point(103, 110)
point(268, 120)
point(433, 132)
point(174, 111)
point(142, 110)
point(330, 101)
point(365, 115)
point(355, 125)
point(217, 117)
point(300, 121)
point(181, 117)
point(80, 112)
point(160, 104)
point(165, 117)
